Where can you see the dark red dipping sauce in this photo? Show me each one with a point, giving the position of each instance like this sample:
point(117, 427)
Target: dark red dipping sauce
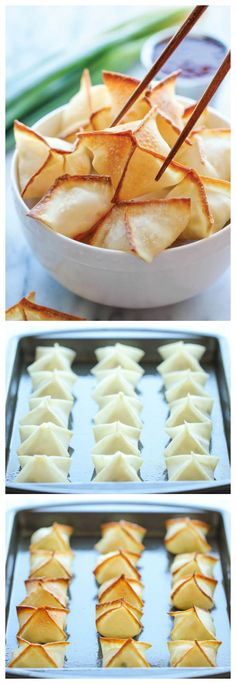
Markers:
point(195, 56)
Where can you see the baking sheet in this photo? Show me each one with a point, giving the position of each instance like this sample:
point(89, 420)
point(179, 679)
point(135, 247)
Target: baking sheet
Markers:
point(84, 658)
point(154, 414)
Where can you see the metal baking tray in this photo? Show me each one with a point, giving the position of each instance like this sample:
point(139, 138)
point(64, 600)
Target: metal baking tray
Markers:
point(155, 409)
point(83, 656)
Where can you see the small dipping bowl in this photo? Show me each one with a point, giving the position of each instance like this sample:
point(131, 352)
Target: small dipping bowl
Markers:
point(198, 57)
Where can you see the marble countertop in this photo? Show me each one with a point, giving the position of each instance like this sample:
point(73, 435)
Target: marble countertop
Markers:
point(23, 271)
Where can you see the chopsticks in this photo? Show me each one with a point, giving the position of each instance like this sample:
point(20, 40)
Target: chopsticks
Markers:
point(200, 106)
point(171, 46)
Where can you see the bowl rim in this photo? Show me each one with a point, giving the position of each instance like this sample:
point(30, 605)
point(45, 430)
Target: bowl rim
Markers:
point(150, 42)
point(92, 249)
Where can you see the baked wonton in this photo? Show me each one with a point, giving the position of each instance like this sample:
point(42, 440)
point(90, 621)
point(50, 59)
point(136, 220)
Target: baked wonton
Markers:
point(194, 623)
point(54, 538)
point(74, 204)
point(118, 619)
point(193, 653)
point(194, 590)
point(124, 653)
point(51, 564)
point(29, 655)
point(117, 563)
point(56, 589)
point(42, 625)
point(185, 535)
point(121, 535)
point(122, 587)
point(187, 563)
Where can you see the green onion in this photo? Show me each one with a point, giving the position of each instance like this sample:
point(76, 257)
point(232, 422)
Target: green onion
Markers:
point(117, 50)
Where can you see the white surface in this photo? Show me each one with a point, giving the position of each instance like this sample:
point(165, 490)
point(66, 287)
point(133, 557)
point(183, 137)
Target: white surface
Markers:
point(23, 271)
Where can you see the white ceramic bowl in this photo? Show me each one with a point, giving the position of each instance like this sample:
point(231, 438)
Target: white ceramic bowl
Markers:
point(115, 278)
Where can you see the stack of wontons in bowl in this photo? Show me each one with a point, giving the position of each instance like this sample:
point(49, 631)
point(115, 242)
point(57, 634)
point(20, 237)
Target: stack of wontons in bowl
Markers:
point(42, 639)
point(97, 184)
point(120, 605)
point(194, 642)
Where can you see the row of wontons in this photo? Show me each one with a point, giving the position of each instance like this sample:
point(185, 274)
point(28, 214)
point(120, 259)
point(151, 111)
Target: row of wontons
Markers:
point(194, 642)
point(44, 434)
point(42, 639)
point(116, 455)
point(188, 425)
point(97, 184)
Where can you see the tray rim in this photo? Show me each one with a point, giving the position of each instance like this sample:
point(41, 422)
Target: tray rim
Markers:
point(153, 673)
point(166, 487)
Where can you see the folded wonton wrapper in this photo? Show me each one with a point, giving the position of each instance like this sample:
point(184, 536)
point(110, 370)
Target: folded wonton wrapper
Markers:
point(42, 625)
point(191, 467)
point(115, 382)
point(54, 538)
point(119, 409)
point(194, 590)
point(133, 400)
point(185, 535)
point(55, 388)
point(121, 535)
point(118, 619)
point(54, 359)
point(116, 441)
point(116, 563)
point(62, 406)
point(122, 587)
point(188, 385)
point(55, 589)
point(202, 429)
point(135, 353)
point(175, 377)
point(187, 411)
point(117, 358)
point(124, 653)
point(117, 467)
point(74, 204)
point(193, 349)
point(47, 412)
point(68, 353)
point(179, 360)
point(51, 564)
point(204, 404)
point(132, 376)
point(193, 653)
point(187, 563)
point(42, 468)
point(194, 623)
point(39, 655)
point(185, 441)
point(38, 377)
point(44, 439)
point(105, 429)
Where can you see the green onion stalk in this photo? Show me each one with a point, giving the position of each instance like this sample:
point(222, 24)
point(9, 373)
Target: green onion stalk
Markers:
point(55, 82)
